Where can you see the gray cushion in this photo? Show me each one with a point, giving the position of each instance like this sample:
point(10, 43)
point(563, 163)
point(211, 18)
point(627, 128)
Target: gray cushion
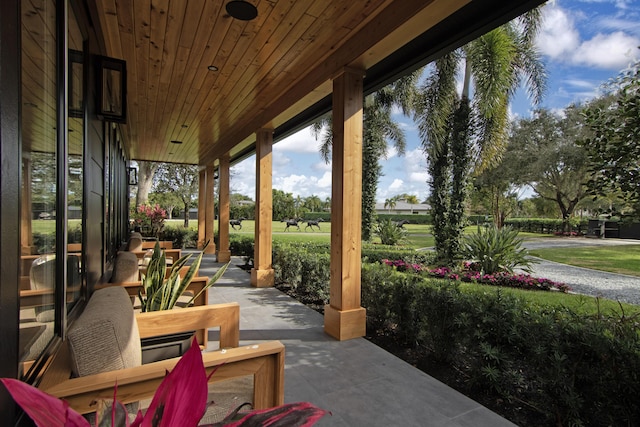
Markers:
point(105, 337)
point(125, 269)
point(135, 243)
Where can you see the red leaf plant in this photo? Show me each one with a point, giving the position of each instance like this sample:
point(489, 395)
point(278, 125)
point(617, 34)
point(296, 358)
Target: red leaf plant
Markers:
point(180, 400)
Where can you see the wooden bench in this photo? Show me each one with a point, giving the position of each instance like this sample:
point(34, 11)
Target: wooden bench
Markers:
point(174, 254)
point(150, 244)
point(108, 333)
point(264, 361)
point(197, 285)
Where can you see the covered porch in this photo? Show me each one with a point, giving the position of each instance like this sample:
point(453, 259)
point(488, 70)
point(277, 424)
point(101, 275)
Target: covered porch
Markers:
point(359, 382)
point(89, 87)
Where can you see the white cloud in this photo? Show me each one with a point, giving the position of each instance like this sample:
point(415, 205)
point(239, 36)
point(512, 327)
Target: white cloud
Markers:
point(610, 51)
point(558, 35)
point(321, 166)
point(300, 142)
point(560, 40)
point(396, 184)
point(304, 186)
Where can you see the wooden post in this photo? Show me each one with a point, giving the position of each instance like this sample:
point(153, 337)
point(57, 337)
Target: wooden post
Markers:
point(262, 274)
point(202, 203)
point(209, 211)
point(224, 254)
point(343, 317)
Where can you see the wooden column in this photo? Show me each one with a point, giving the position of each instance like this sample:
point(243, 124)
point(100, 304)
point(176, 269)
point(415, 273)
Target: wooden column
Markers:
point(224, 254)
point(202, 203)
point(343, 317)
point(262, 274)
point(209, 210)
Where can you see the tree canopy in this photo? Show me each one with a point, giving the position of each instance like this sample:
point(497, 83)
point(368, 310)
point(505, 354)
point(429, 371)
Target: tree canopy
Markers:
point(614, 147)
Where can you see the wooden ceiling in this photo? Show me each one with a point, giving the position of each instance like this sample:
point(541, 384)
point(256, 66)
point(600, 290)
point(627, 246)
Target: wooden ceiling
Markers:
point(269, 69)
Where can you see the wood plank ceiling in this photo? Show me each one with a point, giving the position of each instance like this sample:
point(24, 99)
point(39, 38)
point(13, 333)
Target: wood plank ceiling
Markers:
point(268, 69)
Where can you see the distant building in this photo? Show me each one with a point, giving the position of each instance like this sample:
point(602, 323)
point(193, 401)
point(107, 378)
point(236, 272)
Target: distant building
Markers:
point(403, 208)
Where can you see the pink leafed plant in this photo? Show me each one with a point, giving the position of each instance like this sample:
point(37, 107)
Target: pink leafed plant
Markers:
point(179, 401)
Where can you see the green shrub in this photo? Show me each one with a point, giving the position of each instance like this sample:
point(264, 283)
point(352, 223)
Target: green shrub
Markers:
point(243, 246)
point(376, 253)
point(562, 368)
point(180, 236)
point(496, 249)
point(389, 232)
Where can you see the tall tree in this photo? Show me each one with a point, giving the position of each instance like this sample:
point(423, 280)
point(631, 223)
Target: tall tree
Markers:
point(379, 128)
point(180, 179)
point(283, 205)
point(146, 173)
point(550, 160)
point(614, 148)
point(456, 129)
point(313, 203)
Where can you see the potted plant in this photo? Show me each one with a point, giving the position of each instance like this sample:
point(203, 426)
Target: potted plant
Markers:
point(160, 291)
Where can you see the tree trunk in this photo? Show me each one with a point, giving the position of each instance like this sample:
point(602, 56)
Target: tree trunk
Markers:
point(186, 215)
point(146, 172)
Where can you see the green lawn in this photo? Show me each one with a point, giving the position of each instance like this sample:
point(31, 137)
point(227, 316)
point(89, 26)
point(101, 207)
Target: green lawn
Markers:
point(582, 304)
point(624, 259)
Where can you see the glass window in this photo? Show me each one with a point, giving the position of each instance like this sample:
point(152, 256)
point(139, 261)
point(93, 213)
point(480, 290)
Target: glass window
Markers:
point(43, 156)
point(39, 183)
point(75, 166)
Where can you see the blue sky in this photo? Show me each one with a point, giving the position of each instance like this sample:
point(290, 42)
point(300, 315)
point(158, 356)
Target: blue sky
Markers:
point(583, 43)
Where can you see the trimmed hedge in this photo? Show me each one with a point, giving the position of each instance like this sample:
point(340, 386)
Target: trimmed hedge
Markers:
point(564, 368)
point(413, 219)
point(180, 236)
point(560, 367)
point(547, 225)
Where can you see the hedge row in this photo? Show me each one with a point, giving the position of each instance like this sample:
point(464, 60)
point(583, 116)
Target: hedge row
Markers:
point(561, 367)
point(548, 225)
point(564, 368)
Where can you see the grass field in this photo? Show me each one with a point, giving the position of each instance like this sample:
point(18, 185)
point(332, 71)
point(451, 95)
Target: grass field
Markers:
point(624, 259)
point(581, 304)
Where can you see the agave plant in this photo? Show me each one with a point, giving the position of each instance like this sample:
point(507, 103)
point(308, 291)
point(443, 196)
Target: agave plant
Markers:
point(496, 250)
point(180, 400)
point(160, 293)
point(390, 233)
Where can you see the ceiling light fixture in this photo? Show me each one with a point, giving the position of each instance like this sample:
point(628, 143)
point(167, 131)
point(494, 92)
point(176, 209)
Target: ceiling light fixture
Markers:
point(212, 68)
point(241, 10)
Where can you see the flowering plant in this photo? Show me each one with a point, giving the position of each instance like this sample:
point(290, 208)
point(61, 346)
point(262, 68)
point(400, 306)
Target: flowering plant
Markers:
point(151, 218)
point(180, 400)
point(402, 265)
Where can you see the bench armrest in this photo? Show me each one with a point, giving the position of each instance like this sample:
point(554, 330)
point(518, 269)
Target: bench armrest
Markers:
point(226, 316)
point(265, 361)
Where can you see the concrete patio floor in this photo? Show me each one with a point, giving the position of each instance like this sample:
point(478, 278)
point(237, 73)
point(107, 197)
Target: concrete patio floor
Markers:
point(360, 383)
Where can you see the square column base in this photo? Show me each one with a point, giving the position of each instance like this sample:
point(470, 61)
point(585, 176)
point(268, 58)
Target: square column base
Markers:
point(211, 249)
point(345, 324)
point(224, 256)
point(262, 278)
point(200, 244)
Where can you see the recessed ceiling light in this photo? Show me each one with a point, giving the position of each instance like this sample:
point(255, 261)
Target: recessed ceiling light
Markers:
point(176, 142)
point(212, 68)
point(241, 10)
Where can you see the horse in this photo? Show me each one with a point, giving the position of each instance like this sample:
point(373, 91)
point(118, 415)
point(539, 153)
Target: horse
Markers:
point(401, 224)
point(236, 223)
point(291, 222)
point(313, 222)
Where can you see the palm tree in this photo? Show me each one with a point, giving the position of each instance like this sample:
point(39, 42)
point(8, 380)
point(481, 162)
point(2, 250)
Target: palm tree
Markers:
point(313, 203)
point(455, 130)
point(379, 128)
point(390, 203)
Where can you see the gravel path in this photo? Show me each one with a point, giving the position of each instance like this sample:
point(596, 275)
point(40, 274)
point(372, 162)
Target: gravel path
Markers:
point(613, 286)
